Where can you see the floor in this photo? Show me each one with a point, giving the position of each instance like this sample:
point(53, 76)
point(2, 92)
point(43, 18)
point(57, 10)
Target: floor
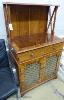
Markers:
point(53, 89)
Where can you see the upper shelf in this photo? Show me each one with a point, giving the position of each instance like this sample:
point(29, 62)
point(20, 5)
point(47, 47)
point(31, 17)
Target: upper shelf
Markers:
point(27, 2)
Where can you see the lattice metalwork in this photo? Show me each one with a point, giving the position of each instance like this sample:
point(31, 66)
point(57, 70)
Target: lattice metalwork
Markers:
point(50, 66)
point(32, 73)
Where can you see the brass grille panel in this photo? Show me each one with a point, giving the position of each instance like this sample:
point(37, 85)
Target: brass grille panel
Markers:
point(50, 66)
point(32, 73)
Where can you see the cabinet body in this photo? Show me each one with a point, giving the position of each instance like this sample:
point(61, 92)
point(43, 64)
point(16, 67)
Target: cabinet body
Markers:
point(37, 66)
point(37, 60)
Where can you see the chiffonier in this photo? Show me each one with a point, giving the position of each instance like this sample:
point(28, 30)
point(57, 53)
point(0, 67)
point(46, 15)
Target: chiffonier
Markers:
point(32, 42)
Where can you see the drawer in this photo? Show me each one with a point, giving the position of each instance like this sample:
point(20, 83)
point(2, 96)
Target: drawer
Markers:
point(28, 55)
point(58, 46)
point(48, 49)
point(39, 52)
point(52, 49)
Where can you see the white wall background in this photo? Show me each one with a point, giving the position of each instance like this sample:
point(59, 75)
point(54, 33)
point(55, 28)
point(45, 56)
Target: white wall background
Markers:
point(2, 24)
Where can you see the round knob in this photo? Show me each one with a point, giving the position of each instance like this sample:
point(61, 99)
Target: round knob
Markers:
point(32, 55)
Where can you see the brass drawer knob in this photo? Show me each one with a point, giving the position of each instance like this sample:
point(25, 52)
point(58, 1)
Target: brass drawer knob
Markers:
point(32, 55)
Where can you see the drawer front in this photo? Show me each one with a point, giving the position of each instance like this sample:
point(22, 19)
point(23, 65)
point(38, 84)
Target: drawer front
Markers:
point(47, 50)
point(58, 47)
point(53, 49)
point(25, 56)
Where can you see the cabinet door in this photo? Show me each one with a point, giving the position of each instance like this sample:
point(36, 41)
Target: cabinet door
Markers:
point(31, 73)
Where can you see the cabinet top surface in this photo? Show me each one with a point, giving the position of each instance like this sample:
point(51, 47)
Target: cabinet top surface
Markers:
point(20, 50)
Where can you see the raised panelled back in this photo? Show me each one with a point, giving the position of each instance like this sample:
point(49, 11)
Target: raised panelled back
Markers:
point(19, 20)
point(38, 23)
point(28, 20)
point(38, 19)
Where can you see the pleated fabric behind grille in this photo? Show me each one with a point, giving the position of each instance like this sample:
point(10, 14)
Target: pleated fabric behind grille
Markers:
point(50, 66)
point(32, 73)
